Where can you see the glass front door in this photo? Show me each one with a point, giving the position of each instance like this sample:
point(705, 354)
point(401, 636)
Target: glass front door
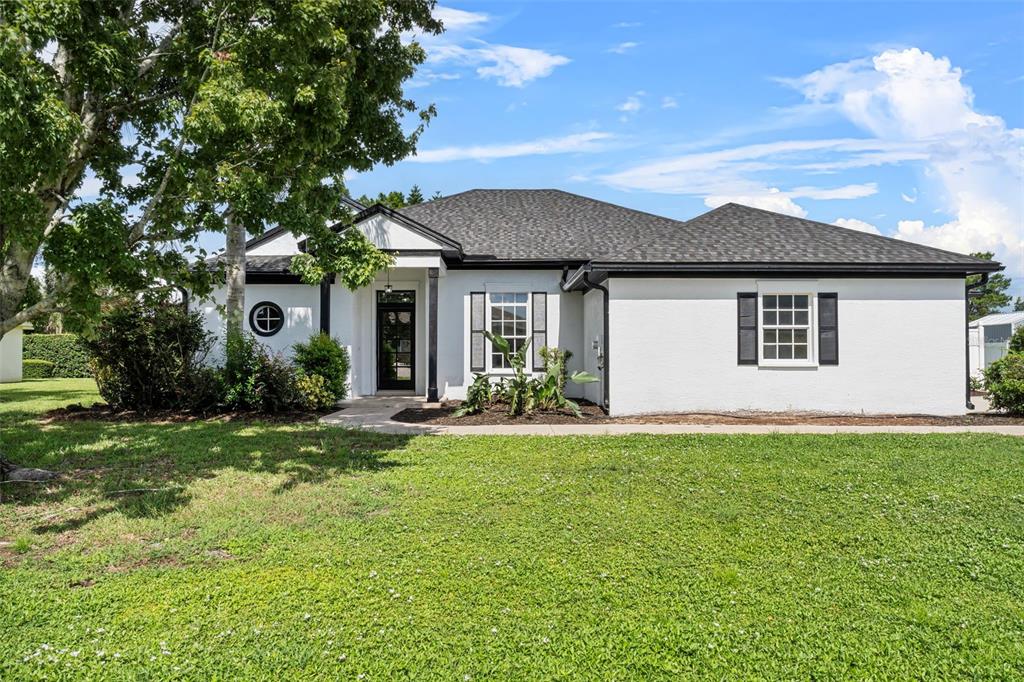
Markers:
point(396, 340)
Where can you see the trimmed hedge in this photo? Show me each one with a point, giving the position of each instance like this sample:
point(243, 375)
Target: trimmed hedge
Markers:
point(36, 369)
point(68, 354)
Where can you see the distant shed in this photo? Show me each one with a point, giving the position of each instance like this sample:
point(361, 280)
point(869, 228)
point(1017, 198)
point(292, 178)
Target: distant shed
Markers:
point(990, 338)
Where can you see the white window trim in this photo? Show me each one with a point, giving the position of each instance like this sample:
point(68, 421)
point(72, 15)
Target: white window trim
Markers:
point(812, 327)
point(488, 346)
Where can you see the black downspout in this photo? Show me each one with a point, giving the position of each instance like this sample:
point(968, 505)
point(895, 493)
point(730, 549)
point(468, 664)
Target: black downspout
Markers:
point(967, 336)
point(607, 355)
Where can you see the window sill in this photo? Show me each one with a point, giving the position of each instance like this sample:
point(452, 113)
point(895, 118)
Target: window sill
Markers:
point(784, 364)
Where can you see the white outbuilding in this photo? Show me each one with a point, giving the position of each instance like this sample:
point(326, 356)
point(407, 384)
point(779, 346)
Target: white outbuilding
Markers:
point(10, 354)
point(990, 338)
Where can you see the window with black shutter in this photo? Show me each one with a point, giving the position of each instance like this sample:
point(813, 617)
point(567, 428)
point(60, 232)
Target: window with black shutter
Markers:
point(828, 329)
point(746, 328)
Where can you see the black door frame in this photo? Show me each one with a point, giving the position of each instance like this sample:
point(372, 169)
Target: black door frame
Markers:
point(396, 384)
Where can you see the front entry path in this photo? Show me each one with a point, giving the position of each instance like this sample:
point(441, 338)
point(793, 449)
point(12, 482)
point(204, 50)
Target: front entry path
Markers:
point(375, 414)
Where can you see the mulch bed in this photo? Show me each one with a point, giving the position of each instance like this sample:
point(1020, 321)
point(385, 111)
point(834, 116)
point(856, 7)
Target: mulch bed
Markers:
point(103, 413)
point(496, 415)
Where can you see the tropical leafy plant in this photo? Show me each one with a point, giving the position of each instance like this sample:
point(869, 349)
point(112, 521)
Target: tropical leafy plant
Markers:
point(478, 395)
point(524, 394)
point(548, 391)
point(516, 389)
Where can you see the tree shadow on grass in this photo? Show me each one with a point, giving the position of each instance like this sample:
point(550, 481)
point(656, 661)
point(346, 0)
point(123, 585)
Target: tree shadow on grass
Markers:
point(144, 469)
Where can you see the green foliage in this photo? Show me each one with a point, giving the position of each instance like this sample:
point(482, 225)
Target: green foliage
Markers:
point(616, 557)
point(33, 293)
point(69, 355)
point(255, 380)
point(36, 369)
point(515, 390)
point(253, 108)
point(354, 257)
point(478, 395)
point(1018, 305)
point(524, 394)
point(1004, 380)
point(148, 355)
point(548, 391)
point(415, 196)
point(990, 298)
point(325, 357)
point(315, 393)
point(1017, 340)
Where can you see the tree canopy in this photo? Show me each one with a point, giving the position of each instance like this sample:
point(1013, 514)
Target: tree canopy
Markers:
point(181, 116)
point(990, 298)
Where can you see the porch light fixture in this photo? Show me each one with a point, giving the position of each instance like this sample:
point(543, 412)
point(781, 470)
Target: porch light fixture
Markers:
point(387, 287)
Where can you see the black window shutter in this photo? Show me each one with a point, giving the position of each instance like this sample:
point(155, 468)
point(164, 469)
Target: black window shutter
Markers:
point(746, 342)
point(828, 329)
point(540, 328)
point(477, 347)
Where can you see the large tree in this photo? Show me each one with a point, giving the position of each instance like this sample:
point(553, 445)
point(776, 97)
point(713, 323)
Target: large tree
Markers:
point(228, 115)
point(990, 298)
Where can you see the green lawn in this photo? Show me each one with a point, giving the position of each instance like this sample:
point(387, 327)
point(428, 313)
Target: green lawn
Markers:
point(301, 552)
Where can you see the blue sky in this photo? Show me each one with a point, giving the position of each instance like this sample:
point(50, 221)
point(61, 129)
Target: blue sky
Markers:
point(902, 119)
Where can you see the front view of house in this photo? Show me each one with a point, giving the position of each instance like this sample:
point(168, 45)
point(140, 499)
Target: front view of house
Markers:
point(736, 309)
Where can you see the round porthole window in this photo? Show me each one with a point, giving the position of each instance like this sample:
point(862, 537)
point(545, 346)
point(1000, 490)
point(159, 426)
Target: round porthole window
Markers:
point(266, 318)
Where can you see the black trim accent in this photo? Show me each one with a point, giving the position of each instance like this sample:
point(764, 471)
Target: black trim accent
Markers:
point(606, 327)
point(265, 237)
point(746, 328)
point(477, 263)
point(538, 362)
point(252, 312)
point(819, 269)
point(396, 384)
point(414, 252)
point(432, 274)
point(476, 326)
point(325, 306)
point(272, 278)
point(828, 299)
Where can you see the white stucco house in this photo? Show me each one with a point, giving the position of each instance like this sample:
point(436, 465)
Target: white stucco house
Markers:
point(737, 308)
point(989, 339)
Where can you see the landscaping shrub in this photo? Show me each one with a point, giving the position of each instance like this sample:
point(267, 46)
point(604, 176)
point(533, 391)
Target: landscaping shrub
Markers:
point(67, 352)
point(1017, 340)
point(324, 356)
point(1004, 380)
point(149, 355)
point(315, 393)
point(478, 395)
point(36, 369)
point(253, 379)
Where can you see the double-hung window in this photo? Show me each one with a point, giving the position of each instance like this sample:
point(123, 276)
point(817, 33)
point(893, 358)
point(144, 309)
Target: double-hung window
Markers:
point(508, 318)
point(786, 328)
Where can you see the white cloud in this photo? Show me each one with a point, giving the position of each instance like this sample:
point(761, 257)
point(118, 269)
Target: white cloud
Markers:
point(859, 225)
point(669, 103)
point(623, 48)
point(731, 173)
point(458, 19)
point(771, 200)
point(631, 104)
point(627, 24)
point(510, 66)
point(578, 142)
point(910, 199)
point(914, 98)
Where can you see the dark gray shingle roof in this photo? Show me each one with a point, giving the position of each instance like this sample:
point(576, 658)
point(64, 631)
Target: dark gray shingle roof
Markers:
point(545, 224)
point(557, 225)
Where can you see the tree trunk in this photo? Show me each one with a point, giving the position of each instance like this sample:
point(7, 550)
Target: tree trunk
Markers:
point(234, 259)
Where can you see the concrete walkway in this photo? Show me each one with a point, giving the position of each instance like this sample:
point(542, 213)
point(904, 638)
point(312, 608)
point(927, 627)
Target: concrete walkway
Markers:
point(375, 414)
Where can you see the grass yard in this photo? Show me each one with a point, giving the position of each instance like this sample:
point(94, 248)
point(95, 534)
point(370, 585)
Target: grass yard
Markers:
point(303, 552)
